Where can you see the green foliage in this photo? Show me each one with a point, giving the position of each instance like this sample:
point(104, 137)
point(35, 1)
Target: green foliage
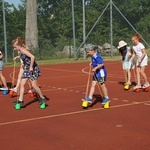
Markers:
point(55, 23)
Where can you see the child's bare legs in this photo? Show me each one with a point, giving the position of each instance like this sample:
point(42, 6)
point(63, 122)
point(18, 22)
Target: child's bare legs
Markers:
point(36, 87)
point(138, 76)
point(128, 77)
point(22, 84)
point(103, 87)
point(34, 84)
point(3, 79)
point(92, 89)
point(104, 90)
point(19, 77)
point(142, 70)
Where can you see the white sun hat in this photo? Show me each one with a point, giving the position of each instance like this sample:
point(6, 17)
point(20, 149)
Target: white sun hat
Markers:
point(122, 44)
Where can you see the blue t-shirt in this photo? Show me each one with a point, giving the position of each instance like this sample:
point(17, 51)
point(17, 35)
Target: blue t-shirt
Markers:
point(97, 60)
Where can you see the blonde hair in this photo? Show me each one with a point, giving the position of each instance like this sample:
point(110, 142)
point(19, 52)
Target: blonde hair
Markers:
point(20, 42)
point(137, 36)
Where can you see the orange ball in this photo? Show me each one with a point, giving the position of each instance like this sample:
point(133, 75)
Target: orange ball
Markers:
point(31, 94)
point(11, 92)
point(146, 89)
point(137, 90)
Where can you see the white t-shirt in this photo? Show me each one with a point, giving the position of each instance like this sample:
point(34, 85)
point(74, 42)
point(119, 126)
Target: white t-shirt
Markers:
point(138, 49)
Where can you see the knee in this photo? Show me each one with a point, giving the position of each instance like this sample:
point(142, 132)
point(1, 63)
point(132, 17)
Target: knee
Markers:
point(19, 76)
point(137, 71)
point(33, 85)
point(141, 71)
point(93, 84)
point(22, 83)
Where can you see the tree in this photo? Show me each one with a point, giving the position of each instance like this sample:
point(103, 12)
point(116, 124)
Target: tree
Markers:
point(31, 24)
point(54, 29)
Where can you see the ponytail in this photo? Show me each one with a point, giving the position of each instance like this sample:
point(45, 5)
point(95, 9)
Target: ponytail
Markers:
point(20, 42)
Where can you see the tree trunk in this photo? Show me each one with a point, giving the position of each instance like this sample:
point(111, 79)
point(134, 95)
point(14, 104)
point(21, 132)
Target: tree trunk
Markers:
point(31, 24)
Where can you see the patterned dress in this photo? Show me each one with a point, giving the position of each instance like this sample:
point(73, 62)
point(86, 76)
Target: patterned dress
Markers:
point(27, 74)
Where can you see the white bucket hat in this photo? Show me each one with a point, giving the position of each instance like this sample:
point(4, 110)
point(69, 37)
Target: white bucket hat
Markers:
point(122, 44)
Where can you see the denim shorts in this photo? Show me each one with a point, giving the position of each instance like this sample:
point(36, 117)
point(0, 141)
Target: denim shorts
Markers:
point(1, 65)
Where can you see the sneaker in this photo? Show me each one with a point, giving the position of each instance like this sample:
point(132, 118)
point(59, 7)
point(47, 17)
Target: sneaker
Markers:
point(4, 88)
point(18, 102)
point(14, 89)
point(87, 99)
point(41, 101)
point(145, 86)
point(136, 87)
point(105, 100)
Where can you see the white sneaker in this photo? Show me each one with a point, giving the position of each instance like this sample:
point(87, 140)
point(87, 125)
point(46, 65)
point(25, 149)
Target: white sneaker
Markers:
point(145, 85)
point(14, 89)
point(4, 88)
point(136, 87)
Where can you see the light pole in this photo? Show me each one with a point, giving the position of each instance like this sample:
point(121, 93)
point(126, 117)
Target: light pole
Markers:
point(83, 3)
point(5, 38)
point(73, 24)
point(111, 30)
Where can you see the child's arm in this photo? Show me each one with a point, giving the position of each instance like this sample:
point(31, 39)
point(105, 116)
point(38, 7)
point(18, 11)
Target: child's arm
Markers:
point(143, 55)
point(97, 67)
point(17, 57)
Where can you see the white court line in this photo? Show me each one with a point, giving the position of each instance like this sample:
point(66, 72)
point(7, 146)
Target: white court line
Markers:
point(63, 76)
point(115, 99)
point(108, 76)
point(61, 70)
point(124, 100)
point(147, 104)
point(70, 113)
point(83, 70)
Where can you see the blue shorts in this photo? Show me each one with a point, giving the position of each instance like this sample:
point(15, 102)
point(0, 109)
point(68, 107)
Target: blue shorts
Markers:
point(1, 65)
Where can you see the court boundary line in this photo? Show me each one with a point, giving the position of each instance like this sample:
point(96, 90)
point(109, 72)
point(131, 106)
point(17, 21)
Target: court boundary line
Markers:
point(69, 113)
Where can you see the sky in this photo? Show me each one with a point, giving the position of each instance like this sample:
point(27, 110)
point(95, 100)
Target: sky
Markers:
point(15, 2)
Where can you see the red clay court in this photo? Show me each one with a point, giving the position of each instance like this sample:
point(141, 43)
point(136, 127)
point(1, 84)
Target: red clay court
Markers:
point(65, 125)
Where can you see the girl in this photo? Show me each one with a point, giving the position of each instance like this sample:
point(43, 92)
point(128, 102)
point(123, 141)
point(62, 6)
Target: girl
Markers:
point(99, 71)
point(15, 89)
point(142, 60)
point(30, 67)
point(1, 73)
point(127, 58)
